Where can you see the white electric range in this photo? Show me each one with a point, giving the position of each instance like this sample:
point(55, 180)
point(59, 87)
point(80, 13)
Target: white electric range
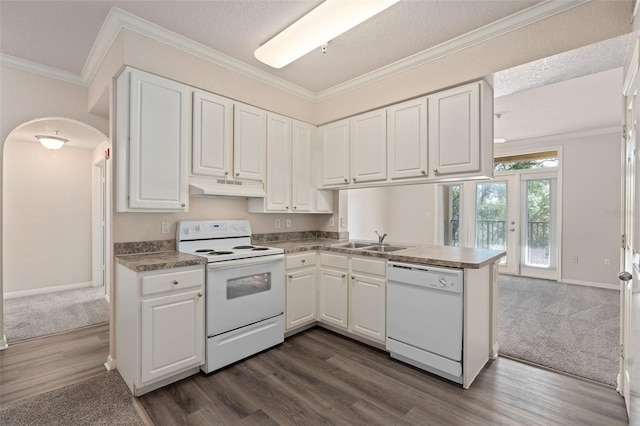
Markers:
point(244, 289)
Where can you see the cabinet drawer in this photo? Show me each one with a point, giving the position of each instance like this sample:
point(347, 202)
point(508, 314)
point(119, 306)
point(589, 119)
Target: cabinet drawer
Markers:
point(334, 261)
point(368, 266)
point(300, 260)
point(170, 281)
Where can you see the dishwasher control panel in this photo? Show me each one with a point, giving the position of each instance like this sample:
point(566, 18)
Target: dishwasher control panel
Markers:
point(446, 279)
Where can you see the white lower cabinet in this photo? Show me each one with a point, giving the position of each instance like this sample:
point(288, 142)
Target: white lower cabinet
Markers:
point(351, 294)
point(367, 306)
point(301, 290)
point(159, 325)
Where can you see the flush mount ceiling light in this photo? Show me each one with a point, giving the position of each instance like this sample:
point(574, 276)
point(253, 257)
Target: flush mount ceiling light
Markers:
point(52, 142)
point(317, 28)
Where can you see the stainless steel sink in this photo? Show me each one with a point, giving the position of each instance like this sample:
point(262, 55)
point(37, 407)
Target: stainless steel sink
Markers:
point(351, 245)
point(383, 248)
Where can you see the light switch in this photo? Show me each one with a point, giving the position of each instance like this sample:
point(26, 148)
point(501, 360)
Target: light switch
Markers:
point(166, 227)
point(288, 223)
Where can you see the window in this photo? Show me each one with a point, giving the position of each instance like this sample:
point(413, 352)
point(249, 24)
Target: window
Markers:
point(536, 160)
point(451, 205)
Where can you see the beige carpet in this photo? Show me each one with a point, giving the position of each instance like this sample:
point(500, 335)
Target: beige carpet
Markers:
point(104, 400)
point(52, 313)
point(570, 328)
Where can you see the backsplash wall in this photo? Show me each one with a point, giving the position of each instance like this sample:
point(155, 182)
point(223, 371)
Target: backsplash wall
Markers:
point(128, 227)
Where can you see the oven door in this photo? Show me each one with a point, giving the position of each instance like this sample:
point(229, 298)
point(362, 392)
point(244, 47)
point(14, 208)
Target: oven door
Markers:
point(244, 291)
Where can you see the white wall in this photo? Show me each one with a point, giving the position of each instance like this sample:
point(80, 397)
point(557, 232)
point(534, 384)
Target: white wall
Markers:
point(405, 213)
point(47, 217)
point(590, 201)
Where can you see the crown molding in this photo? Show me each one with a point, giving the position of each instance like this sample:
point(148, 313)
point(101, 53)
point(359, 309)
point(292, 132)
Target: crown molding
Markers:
point(118, 19)
point(495, 29)
point(35, 68)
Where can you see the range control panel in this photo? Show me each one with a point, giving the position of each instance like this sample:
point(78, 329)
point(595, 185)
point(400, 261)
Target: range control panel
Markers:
point(208, 229)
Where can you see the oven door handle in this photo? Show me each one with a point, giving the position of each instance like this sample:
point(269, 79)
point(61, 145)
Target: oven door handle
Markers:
point(244, 262)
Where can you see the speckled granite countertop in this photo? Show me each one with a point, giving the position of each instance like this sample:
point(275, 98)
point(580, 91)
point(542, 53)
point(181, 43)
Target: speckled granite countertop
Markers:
point(158, 260)
point(452, 257)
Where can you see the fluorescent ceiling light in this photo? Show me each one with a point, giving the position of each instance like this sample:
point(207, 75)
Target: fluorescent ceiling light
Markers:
point(316, 28)
point(51, 142)
point(499, 140)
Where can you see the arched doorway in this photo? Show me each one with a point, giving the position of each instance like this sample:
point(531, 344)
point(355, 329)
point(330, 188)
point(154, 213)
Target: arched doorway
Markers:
point(56, 225)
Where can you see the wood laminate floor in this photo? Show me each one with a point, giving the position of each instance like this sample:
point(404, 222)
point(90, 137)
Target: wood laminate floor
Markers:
point(318, 377)
point(32, 367)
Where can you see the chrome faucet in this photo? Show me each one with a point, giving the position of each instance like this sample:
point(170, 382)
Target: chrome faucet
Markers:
point(380, 237)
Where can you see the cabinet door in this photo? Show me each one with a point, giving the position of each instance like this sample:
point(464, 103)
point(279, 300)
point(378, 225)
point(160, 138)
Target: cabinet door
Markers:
point(367, 307)
point(301, 298)
point(301, 167)
point(158, 123)
point(335, 153)
point(278, 163)
point(408, 140)
point(333, 296)
point(369, 147)
point(172, 335)
point(454, 125)
point(212, 141)
point(249, 140)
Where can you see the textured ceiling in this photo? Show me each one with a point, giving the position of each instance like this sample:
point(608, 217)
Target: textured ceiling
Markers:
point(60, 34)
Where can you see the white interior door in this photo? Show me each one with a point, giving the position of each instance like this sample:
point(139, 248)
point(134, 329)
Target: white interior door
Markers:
point(628, 380)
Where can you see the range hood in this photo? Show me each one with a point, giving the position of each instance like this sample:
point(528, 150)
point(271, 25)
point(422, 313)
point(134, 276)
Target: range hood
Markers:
point(227, 188)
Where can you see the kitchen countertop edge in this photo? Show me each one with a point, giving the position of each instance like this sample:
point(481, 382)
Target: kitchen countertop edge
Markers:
point(154, 261)
point(452, 257)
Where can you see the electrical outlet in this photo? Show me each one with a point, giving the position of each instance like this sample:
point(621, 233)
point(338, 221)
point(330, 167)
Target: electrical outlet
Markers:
point(343, 222)
point(165, 226)
point(574, 259)
point(332, 222)
point(288, 223)
point(277, 223)
point(607, 261)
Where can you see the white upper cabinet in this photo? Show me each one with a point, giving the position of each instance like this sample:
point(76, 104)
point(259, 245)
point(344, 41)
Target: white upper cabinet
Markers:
point(290, 171)
point(249, 140)
point(407, 139)
point(454, 121)
point(152, 128)
point(369, 147)
point(278, 163)
point(212, 142)
point(302, 188)
point(335, 153)
point(444, 136)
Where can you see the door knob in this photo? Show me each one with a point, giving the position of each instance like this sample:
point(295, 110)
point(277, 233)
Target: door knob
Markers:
point(624, 276)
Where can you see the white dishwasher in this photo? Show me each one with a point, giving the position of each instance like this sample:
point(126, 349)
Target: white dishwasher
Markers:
point(424, 317)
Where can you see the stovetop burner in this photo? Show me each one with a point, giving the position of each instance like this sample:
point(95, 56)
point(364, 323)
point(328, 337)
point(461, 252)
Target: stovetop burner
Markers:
point(213, 252)
point(260, 248)
point(243, 247)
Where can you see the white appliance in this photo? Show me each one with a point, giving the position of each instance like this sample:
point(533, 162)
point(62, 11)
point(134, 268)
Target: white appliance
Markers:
point(244, 289)
point(424, 317)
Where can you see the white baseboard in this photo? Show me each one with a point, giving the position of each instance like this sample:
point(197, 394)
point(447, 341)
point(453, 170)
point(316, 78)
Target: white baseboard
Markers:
point(110, 364)
point(107, 298)
point(45, 290)
point(592, 284)
point(3, 343)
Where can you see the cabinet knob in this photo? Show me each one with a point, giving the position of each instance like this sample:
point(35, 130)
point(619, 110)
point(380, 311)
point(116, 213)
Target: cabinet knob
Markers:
point(287, 207)
point(290, 275)
point(237, 173)
point(295, 207)
point(353, 277)
point(200, 294)
point(175, 282)
point(344, 275)
point(184, 205)
point(354, 179)
point(423, 172)
point(303, 260)
point(226, 173)
point(435, 171)
point(346, 180)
